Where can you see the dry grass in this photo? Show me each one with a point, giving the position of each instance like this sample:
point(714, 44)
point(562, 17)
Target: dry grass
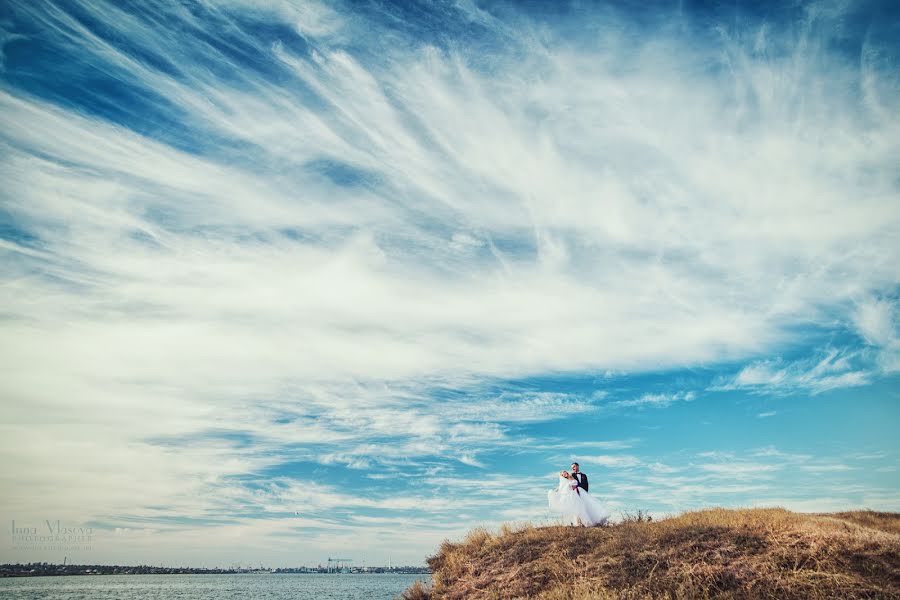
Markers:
point(885, 521)
point(717, 553)
point(417, 591)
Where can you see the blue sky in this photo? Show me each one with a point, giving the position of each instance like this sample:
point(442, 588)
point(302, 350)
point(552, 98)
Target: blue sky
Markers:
point(290, 280)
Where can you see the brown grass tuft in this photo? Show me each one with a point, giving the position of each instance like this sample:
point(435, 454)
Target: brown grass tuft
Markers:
point(417, 591)
point(715, 553)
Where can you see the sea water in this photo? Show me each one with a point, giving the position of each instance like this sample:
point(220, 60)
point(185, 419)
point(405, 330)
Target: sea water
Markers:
point(273, 586)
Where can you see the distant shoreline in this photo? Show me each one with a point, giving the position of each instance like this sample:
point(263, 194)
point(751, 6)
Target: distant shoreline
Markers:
point(56, 570)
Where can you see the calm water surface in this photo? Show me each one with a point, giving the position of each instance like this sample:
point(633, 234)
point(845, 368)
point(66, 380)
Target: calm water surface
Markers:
point(209, 587)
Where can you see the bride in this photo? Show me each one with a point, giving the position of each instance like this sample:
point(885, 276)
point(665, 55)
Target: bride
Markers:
point(576, 505)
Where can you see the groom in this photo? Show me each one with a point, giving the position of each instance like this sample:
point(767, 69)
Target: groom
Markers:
point(580, 477)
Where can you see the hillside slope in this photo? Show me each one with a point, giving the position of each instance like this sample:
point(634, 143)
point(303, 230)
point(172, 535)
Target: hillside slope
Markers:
point(718, 553)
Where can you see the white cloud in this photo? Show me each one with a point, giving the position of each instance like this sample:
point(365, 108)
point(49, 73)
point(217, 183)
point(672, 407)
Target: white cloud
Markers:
point(833, 369)
point(827, 468)
point(571, 207)
point(738, 479)
point(614, 461)
point(878, 322)
point(655, 400)
point(317, 20)
point(869, 456)
point(658, 467)
point(468, 459)
point(783, 457)
point(740, 469)
point(604, 445)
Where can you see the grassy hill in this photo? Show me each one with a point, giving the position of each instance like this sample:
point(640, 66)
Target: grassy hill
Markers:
point(753, 553)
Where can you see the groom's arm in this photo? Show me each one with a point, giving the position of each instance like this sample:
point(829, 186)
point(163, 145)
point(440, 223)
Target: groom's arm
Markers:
point(584, 481)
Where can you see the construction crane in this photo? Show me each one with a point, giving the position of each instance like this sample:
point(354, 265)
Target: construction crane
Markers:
point(341, 565)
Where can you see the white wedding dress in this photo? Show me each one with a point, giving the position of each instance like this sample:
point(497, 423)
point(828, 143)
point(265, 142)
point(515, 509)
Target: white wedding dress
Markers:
point(575, 505)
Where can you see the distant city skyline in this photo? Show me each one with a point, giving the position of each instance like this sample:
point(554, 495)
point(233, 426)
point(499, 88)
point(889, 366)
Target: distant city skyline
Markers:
point(285, 280)
point(25, 569)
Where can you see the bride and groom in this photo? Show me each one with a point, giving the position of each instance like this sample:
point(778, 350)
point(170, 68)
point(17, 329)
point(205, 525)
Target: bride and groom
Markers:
point(572, 500)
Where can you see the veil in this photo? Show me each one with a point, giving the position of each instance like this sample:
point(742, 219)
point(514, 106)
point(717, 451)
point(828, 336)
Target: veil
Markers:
point(562, 499)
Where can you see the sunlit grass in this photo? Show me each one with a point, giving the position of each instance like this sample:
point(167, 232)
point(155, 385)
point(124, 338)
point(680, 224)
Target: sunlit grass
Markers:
point(716, 553)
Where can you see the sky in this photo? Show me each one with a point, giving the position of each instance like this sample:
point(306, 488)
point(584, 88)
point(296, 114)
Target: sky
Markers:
point(284, 280)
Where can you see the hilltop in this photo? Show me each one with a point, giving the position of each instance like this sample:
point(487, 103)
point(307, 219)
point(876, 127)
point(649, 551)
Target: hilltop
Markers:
point(717, 553)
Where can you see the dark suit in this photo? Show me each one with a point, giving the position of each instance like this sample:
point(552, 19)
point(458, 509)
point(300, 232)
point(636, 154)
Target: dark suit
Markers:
point(581, 478)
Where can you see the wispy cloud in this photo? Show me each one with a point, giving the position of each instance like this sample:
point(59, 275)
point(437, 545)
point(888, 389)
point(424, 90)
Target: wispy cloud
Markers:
point(740, 469)
point(836, 369)
point(878, 321)
point(247, 241)
point(827, 468)
point(651, 400)
point(615, 461)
